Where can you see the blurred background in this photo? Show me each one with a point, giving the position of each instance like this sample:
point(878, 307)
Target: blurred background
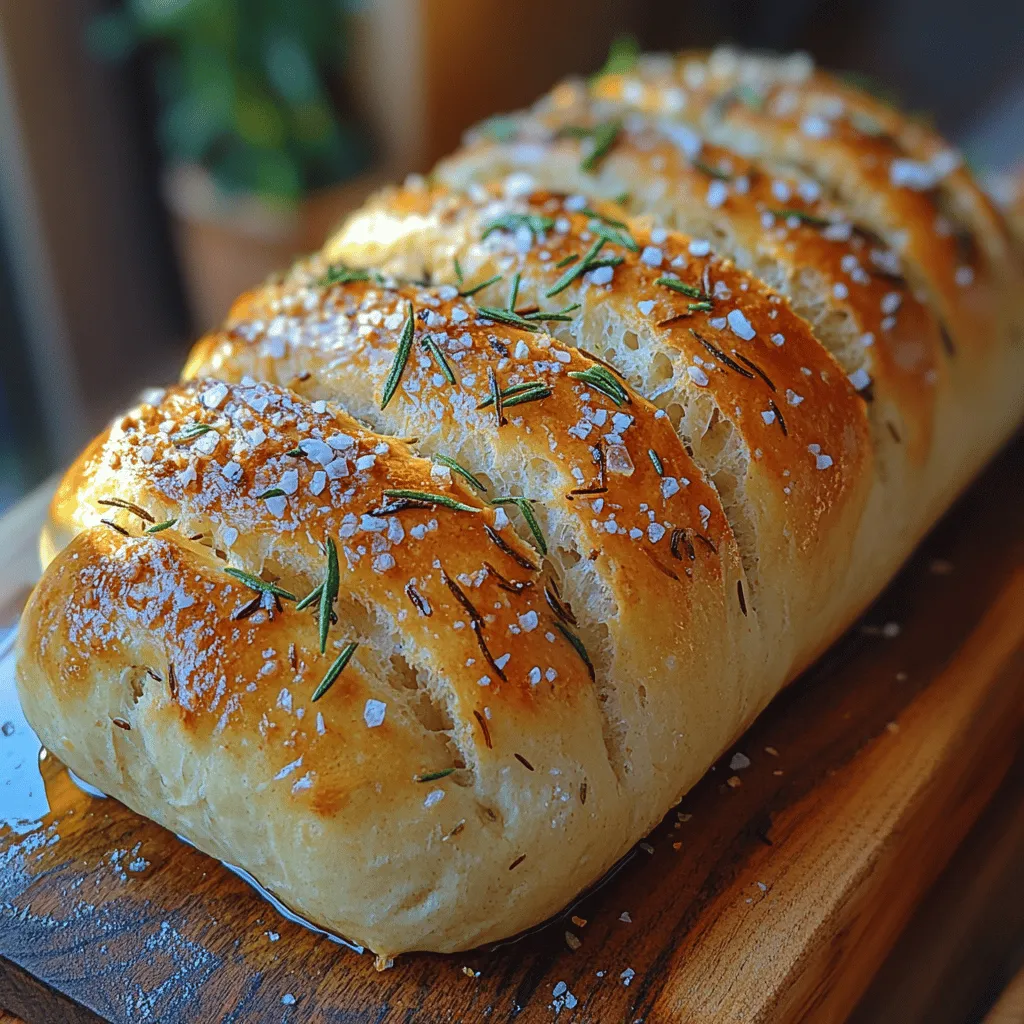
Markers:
point(158, 156)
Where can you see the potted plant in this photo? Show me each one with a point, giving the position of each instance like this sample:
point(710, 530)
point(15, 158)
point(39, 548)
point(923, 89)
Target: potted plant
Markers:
point(261, 159)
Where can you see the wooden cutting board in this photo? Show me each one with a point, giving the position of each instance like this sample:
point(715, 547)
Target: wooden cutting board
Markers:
point(772, 893)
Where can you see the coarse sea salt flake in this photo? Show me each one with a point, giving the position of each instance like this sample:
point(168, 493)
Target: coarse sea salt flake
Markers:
point(373, 713)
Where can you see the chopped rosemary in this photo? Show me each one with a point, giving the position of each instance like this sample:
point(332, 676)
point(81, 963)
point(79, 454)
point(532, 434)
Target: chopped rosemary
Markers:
point(272, 492)
point(457, 266)
point(719, 354)
point(117, 529)
point(474, 481)
point(468, 292)
point(704, 306)
point(524, 506)
point(310, 598)
point(401, 358)
point(623, 55)
point(157, 527)
point(561, 315)
point(682, 287)
point(128, 506)
point(433, 776)
point(190, 432)
point(602, 380)
point(476, 623)
point(603, 137)
point(340, 274)
point(335, 670)
point(589, 211)
point(261, 586)
point(616, 236)
point(576, 270)
point(506, 316)
point(656, 462)
point(513, 391)
point(803, 216)
point(513, 292)
point(428, 498)
point(496, 398)
point(712, 172)
point(328, 593)
point(566, 260)
point(537, 223)
point(577, 644)
point(430, 344)
point(502, 545)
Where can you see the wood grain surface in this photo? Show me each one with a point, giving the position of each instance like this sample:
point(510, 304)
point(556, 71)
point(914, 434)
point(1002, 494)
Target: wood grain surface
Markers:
point(772, 893)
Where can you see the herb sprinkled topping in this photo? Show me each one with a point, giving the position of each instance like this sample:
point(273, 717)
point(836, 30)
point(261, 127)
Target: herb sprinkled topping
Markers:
point(328, 594)
point(602, 380)
point(803, 216)
point(476, 623)
point(682, 287)
point(517, 394)
point(507, 316)
point(260, 586)
point(310, 598)
point(499, 541)
point(524, 506)
point(536, 223)
point(602, 138)
point(272, 492)
point(335, 670)
point(577, 269)
point(340, 274)
point(401, 357)
point(190, 432)
point(451, 464)
point(712, 172)
point(577, 644)
point(443, 773)
point(719, 354)
point(431, 345)
point(468, 292)
point(158, 527)
point(496, 396)
point(127, 505)
point(656, 462)
point(425, 499)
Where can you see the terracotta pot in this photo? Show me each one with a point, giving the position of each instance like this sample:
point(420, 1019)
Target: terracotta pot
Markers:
point(227, 244)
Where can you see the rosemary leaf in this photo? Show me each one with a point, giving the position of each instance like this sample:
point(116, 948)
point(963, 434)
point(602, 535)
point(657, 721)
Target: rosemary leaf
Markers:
point(513, 389)
point(190, 432)
point(505, 316)
point(260, 586)
point(157, 527)
point(340, 274)
point(682, 287)
point(602, 380)
point(524, 506)
point(566, 260)
point(514, 221)
point(310, 598)
point(469, 292)
point(803, 216)
point(603, 136)
point(431, 345)
point(577, 644)
point(472, 480)
point(328, 594)
point(272, 492)
point(513, 292)
point(433, 776)
point(401, 357)
point(428, 498)
point(335, 670)
point(559, 314)
point(711, 172)
point(616, 236)
point(529, 395)
point(576, 270)
point(656, 462)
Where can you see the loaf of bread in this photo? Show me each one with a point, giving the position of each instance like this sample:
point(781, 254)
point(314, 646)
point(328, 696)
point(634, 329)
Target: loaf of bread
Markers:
point(467, 545)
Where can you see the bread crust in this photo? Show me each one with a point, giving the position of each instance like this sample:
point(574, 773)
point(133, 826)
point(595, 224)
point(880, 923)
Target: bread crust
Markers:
point(589, 517)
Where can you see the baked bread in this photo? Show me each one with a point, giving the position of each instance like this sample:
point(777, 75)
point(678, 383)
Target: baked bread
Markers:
point(575, 487)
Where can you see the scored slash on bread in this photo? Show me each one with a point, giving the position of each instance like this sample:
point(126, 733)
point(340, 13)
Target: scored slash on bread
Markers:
point(471, 541)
